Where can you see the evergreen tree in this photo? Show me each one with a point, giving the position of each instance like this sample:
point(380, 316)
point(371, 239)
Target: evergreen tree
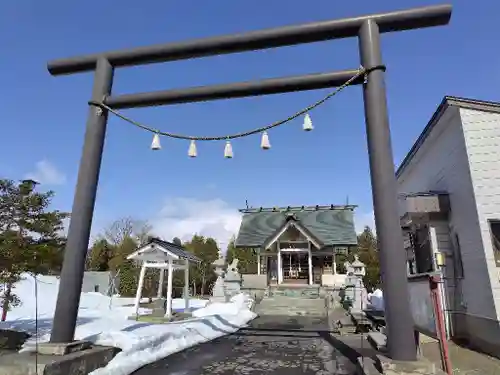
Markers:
point(368, 254)
point(247, 258)
point(100, 255)
point(202, 274)
point(31, 236)
point(128, 279)
point(129, 271)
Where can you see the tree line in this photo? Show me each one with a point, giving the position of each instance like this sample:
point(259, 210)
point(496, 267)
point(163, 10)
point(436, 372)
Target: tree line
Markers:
point(124, 236)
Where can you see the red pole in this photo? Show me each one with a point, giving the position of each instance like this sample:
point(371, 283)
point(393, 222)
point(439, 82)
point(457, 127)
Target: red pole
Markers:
point(4, 314)
point(440, 325)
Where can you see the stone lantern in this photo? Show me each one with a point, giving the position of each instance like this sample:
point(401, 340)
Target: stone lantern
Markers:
point(358, 267)
point(218, 291)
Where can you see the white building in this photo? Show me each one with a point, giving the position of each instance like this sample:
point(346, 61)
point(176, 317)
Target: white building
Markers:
point(449, 186)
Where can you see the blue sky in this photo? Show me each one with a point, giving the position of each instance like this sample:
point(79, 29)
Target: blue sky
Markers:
point(43, 117)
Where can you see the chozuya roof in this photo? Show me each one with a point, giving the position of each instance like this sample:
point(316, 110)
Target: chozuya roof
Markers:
point(327, 225)
point(168, 247)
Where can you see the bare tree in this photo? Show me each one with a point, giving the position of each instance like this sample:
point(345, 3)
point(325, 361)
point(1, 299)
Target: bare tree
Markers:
point(128, 227)
point(142, 232)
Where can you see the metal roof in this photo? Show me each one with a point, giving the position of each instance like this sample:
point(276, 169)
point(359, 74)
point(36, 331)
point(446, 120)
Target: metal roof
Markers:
point(474, 104)
point(329, 226)
point(175, 249)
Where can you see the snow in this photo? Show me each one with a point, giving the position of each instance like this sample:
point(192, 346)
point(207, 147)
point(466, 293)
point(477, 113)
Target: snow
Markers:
point(103, 321)
point(376, 300)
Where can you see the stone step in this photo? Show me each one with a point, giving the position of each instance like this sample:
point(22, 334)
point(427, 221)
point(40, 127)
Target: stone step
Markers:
point(302, 306)
point(291, 313)
point(295, 300)
point(291, 306)
point(378, 340)
point(294, 291)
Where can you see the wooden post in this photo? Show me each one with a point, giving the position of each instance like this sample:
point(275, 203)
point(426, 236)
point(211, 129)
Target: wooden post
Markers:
point(280, 266)
point(138, 294)
point(168, 313)
point(309, 259)
point(186, 285)
point(160, 283)
point(258, 261)
point(334, 263)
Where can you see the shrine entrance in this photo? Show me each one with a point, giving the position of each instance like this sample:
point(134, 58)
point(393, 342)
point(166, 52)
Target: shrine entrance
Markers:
point(295, 266)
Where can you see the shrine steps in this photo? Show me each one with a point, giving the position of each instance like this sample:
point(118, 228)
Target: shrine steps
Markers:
point(292, 306)
point(294, 290)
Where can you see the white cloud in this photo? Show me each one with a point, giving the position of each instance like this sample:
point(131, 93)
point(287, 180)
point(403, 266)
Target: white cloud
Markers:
point(46, 173)
point(184, 217)
point(361, 220)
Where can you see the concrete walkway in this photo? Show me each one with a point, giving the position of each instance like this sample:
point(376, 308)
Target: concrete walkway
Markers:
point(463, 360)
point(287, 345)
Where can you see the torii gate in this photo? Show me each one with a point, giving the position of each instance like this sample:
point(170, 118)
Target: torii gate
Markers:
point(368, 30)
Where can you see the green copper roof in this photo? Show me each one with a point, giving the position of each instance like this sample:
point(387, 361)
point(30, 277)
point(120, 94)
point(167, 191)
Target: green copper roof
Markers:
point(330, 226)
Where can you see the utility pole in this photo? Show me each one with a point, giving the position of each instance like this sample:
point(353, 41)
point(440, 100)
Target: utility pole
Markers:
point(366, 28)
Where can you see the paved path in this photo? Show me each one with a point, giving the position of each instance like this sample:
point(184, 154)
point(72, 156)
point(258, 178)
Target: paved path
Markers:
point(463, 361)
point(280, 345)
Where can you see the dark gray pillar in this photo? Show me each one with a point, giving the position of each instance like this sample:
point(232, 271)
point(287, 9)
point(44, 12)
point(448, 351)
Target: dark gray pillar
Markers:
point(400, 336)
point(70, 286)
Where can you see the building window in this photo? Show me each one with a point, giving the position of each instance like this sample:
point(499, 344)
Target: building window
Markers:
point(457, 259)
point(495, 239)
point(423, 250)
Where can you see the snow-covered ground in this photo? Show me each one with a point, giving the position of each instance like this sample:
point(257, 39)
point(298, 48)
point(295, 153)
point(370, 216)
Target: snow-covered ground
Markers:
point(103, 320)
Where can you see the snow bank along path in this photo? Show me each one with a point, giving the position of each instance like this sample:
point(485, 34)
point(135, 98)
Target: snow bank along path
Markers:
point(103, 321)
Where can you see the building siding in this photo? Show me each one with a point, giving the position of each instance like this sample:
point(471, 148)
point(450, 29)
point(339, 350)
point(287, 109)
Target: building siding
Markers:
point(441, 163)
point(482, 137)
point(101, 281)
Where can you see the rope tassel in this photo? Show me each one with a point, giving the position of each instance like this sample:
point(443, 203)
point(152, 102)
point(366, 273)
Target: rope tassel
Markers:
point(264, 142)
point(156, 145)
point(228, 150)
point(192, 152)
point(308, 125)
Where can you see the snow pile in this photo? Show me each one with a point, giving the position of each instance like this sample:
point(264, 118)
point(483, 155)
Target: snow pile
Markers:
point(376, 300)
point(236, 305)
point(103, 320)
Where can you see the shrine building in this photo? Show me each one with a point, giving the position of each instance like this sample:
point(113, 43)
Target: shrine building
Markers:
point(298, 245)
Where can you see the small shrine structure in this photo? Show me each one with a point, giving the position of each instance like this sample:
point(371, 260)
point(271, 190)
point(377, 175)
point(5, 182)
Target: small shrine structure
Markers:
point(163, 255)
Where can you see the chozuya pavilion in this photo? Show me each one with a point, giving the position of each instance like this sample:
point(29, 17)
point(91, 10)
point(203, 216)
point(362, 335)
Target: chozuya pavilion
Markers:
point(298, 245)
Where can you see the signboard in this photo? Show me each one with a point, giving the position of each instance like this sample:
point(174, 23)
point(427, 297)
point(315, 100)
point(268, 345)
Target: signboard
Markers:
point(422, 306)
